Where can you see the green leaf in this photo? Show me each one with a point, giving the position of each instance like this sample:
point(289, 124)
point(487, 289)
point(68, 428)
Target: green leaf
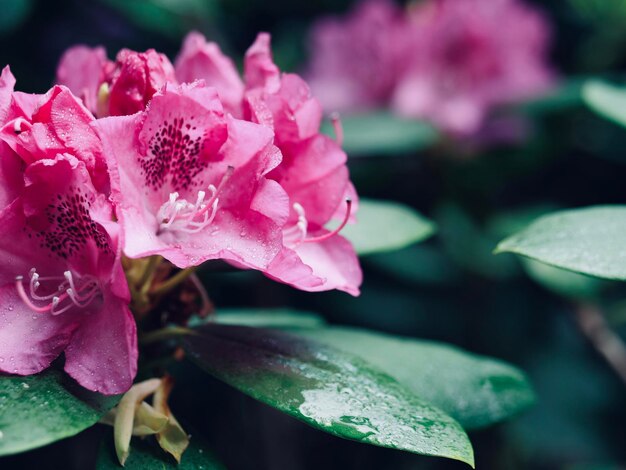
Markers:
point(419, 264)
point(588, 241)
point(469, 245)
point(327, 389)
point(267, 318)
point(43, 408)
point(382, 133)
point(562, 282)
point(386, 226)
point(564, 96)
point(475, 390)
point(146, 454)
point(607, 100)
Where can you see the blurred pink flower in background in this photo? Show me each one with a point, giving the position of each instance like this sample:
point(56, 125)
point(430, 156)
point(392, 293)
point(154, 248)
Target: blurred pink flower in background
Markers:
point(446, 61)
point(356, 61)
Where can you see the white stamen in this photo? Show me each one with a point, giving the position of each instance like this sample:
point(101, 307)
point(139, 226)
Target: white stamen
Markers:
point(182, 216)
point(70, 292)
point(297, 233)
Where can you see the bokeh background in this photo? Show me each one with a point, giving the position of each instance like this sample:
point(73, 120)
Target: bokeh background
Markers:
point(451, 288)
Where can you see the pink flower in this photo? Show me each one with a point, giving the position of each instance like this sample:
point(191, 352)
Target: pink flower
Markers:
point(62, 287)
point(137, 76)
point(129, 82)
point(82, 69)
point(59, 123)
point(189, 183)
point(447, 61)
point(471, 56)
point(314, 174)
point(11, 165)
point(202, 60)
point(356, 62)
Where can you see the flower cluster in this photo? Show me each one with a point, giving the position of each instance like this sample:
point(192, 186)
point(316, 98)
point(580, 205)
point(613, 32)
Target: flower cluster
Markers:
point(138, 158)
point(447, 61)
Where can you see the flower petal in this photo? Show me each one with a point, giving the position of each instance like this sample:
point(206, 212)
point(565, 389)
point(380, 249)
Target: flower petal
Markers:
point(102, 354)
point(320, 266)
point(81, 69)
point(30, 341)
point(202, 60)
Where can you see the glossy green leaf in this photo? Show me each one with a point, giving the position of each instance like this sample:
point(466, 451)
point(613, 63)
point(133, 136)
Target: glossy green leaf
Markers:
point(607, 100)
point(475, 390)
point(327, 389)
point(386, 226)
point(588, 241)
point(382, 133)
point(268, 318)
point(43, 408)
point(147, 455)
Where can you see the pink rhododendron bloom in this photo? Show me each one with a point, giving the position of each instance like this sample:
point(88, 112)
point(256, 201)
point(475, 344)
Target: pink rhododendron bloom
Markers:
point(82, 69)
point(447, 61)
point(136, 77)
point(189, 182)
point(471, 56)
point(117, 88)
point(58, 124)
point(62, 287)
point(313, 172)
point(202, 60)
point(11, 165)
point(356, 62)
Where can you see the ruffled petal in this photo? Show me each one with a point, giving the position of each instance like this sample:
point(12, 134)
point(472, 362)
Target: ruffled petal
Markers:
point(102, 354)
point(319, 266)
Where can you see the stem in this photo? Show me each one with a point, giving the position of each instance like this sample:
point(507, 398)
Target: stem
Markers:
point(207, 305)
point(164, 334)
point(146, 276)
point(593, 325)
point(172, 282)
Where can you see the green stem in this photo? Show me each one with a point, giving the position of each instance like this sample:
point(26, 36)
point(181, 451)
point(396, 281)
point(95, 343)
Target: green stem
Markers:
point(146, 276)
point(170, 332)
point(172, 282)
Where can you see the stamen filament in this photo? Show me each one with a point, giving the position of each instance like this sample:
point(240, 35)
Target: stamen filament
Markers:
point(77, 294)
point(22, 293)
point(180, 215)
point(338, 128)
point(328, 235)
